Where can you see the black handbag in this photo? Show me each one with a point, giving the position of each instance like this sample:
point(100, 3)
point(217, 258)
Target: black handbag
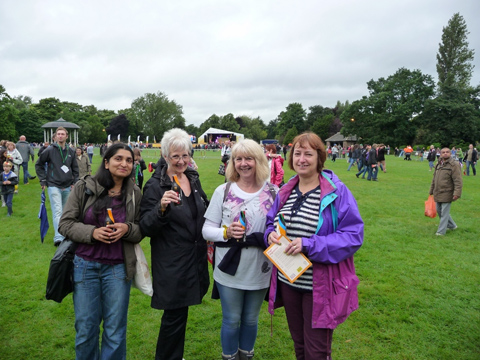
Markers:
point(60, 273)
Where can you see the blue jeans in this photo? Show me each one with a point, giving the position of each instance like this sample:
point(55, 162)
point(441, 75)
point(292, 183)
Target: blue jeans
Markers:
point(351, 161)
point(363, 171)
point(472, 164)
point(8, 198)
point(26, 174)
point(58, 198)
point(101, 292)
point(372, 172)
point(240, 309)
point(90, 157)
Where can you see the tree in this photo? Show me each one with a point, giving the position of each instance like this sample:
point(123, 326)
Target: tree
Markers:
point(294, 116)
point(452, 118)
point(229, 123)
point(8, 116)
point(322, 126)
point(154, 114)
point(118, 126)
point(212, 121)
point(272, 129)
point(454, 58)
point(290, 135)
point(388, 114)
point(48, 109)
point(30, 125)
point(253, 128)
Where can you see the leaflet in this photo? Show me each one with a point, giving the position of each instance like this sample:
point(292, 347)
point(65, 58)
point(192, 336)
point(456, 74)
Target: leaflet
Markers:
point(292, 266)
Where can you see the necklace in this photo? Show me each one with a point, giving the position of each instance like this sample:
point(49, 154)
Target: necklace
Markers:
point(114, 193)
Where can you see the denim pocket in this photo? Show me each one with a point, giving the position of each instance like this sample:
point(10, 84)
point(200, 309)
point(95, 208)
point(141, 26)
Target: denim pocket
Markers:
point(119, 271)
point(79, 268)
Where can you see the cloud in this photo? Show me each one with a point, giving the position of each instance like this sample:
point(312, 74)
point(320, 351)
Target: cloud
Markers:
point(242, 57)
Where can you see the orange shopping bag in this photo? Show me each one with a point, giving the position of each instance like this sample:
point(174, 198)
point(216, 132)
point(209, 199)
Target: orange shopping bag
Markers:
point(430, 207)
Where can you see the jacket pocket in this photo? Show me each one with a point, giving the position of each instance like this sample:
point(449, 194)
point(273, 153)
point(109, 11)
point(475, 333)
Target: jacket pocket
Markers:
point(343, 290)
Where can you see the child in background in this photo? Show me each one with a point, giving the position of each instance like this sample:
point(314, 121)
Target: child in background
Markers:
point(138, 167)
point(8, 181)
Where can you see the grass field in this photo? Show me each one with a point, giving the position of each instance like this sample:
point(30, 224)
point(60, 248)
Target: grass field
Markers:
point(419, 293)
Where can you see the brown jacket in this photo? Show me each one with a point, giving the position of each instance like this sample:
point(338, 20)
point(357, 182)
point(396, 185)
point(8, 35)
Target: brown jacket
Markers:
point(72, 229)
point(447, 181)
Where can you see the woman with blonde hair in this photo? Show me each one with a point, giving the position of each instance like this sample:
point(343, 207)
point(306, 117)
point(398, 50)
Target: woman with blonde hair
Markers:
point(235, 221)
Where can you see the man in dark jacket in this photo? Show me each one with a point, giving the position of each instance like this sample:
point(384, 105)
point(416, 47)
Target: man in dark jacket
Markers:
point(61, 174)
point(471, 159)
point(446, 187)
point(26, 151)
point(372, 163)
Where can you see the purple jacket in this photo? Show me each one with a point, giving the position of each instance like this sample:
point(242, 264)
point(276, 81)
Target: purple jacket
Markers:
point(331, 251)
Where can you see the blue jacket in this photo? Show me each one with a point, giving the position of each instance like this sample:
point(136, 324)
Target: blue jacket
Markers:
point(339, 235)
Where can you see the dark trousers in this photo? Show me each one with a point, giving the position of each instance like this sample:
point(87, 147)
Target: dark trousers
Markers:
point(171, 339)
point(310, 343)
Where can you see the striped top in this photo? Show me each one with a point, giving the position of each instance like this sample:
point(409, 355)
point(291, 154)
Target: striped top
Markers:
point(301, 218)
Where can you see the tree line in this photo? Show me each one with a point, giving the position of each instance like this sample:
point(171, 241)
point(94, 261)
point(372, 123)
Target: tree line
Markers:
point(404, 108)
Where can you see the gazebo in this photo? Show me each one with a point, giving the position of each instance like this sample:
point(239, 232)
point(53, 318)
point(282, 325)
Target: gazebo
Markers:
point(53, 125)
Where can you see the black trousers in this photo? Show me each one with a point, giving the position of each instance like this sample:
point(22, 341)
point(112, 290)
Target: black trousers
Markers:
point(171, 338)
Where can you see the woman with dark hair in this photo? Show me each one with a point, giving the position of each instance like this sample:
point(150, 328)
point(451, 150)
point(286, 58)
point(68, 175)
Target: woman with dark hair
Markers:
point(173, 206)
point(104, 264)
point(83, 163)
point(323, 222)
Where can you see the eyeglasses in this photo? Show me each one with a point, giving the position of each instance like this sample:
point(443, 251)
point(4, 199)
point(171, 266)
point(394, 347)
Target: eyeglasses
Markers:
point(178, 157)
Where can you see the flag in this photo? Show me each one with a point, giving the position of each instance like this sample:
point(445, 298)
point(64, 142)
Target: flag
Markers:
point(42, 215)
point(108, 138)
point(128, 139)
point(138, 139)
point(147, 140)
point(118, 137)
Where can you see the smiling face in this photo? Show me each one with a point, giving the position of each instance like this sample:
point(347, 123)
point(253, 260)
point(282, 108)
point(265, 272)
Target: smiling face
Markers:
point(7, 167)
point(79, 152)
point(245, 166)
point(120, 165)
point(177, 160)
point(61, 137)
point(305, 160)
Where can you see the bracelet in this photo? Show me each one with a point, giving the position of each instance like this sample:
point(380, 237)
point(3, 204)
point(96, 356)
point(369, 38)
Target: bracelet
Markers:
point(225, 232)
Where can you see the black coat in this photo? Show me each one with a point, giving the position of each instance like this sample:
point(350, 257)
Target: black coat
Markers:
point(179, 252)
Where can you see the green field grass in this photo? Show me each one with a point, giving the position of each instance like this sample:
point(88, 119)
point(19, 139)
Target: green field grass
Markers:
point(419, 293)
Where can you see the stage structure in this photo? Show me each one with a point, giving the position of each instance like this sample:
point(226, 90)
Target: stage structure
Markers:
point(219, 136)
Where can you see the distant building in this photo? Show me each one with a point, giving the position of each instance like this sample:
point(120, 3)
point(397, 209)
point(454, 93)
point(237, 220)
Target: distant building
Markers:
point(339, 139)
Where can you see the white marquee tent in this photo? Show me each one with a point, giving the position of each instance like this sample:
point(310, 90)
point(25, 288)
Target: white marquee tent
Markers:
point(213, 134)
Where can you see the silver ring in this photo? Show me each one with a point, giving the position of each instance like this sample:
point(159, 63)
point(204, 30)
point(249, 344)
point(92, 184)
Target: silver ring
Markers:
point(294, 246)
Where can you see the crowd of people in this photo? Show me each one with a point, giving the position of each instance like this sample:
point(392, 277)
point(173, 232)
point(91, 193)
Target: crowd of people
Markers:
point(318, 213)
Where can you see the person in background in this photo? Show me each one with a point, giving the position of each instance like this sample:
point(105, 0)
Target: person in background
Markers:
point(14, 156)
point(381, 157)
point(241, 270)
point(104, 263)
point(354, 154)
point(363, 161)
point(90, 151)
point(26, 151)
point(173, 220)
point(334, 152)
point(431, 156)
point(285, 149)
point(372, 163)
point(471, 160)
point(323, 222)
point(408, 153)
point(8, 180)
point(460, 157)
point(446, 187)
point(138, 167)
point(61, 175)
point(84, 167)
point(275, 164)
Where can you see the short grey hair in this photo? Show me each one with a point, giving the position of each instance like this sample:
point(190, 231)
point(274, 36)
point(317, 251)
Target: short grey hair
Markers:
point(177, 139)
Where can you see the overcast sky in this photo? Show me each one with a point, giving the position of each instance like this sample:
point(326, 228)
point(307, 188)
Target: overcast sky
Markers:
point(249, 57)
